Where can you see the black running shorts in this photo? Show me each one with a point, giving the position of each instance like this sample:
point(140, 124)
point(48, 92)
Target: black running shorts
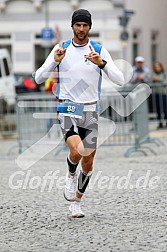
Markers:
point(86, 128)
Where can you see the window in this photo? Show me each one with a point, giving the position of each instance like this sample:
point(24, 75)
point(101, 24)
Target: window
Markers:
point(135, 50)
point(38, 36)
point(6, 67)
point(0, 70)
point(154, 46)
point(154, 53)
point(5, 36)
point(94, 34)
point(136, 41)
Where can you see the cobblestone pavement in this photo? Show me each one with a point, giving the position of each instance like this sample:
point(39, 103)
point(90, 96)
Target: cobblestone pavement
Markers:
point(118, 217)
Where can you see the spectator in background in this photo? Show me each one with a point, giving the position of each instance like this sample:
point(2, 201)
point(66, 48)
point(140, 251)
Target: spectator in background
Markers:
point(141, 74)
point(158, 72)
point(50, 83)
point(160, 92)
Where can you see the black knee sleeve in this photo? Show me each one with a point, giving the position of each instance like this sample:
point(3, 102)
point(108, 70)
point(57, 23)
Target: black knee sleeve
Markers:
point(83, 181)
point(72, 167)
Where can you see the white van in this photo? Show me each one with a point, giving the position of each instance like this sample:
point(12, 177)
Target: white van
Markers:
point(7, 79)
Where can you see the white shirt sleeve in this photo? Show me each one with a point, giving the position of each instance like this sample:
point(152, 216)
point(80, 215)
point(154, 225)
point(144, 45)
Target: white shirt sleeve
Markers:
point(111, 70)
point(44, 72)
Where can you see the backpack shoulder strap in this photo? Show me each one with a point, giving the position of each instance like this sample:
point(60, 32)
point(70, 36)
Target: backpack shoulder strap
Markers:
point(97, 47)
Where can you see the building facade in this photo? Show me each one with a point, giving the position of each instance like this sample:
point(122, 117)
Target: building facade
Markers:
point(147, 31)
point(22, 23)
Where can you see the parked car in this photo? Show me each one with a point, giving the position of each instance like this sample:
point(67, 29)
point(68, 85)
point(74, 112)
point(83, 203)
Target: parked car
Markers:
point(7, 82)
point(25, 83)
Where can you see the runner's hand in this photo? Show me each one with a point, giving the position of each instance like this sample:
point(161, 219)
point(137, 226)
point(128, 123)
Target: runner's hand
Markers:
point(59, 53)
point(94, 57)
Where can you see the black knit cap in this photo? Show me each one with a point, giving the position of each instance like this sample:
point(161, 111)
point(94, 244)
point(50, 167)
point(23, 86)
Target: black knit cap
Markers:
point(81, 15)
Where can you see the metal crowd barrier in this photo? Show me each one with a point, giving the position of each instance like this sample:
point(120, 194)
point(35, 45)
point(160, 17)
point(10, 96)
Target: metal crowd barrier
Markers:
point(157, 104)
point(34, 115)
point(37, 121)
point(132, 129)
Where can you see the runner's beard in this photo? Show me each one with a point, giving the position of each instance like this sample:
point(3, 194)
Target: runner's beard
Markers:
point(81, 38)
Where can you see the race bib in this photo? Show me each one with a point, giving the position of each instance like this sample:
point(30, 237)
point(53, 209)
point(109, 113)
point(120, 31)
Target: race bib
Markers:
point(71, 109)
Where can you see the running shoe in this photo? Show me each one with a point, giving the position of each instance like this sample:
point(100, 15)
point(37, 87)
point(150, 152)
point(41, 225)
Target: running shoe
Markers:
point(75, 210)
point(70, 187)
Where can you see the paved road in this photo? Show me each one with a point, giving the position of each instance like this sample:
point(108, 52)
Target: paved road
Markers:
point(118, 217)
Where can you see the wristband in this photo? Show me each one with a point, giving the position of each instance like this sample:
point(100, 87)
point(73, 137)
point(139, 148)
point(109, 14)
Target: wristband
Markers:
point(103, 65)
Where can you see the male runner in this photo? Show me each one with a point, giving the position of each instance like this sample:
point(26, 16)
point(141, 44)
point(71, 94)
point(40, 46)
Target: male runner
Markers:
point(80, 63)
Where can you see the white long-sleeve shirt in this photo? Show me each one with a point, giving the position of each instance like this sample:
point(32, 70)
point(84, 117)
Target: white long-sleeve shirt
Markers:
point(79, 79)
